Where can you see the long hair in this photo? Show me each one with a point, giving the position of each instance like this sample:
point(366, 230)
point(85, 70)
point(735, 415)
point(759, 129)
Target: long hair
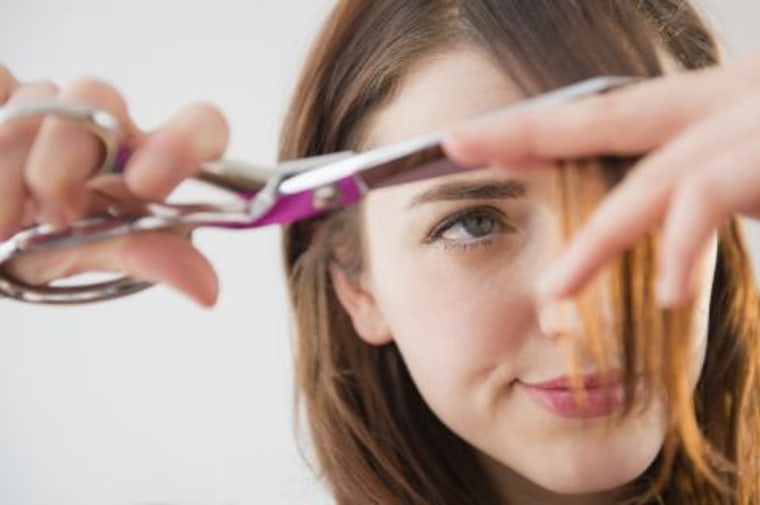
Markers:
point(375, 439)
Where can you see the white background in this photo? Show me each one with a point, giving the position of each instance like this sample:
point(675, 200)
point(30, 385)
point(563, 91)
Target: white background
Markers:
point(151, 400)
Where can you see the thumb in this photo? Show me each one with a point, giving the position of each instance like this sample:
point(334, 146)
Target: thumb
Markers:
point(157, 257)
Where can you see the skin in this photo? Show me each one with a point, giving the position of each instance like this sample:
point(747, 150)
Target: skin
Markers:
point(701, 130)
point(477, 331)
point(486, 320)
point(702, 119)
point(45, 165)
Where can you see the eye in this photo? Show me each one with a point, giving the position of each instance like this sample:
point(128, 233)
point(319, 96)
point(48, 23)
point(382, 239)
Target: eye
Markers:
point(470, 225)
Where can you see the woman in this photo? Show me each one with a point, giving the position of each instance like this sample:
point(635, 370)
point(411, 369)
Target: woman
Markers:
point(431, 367)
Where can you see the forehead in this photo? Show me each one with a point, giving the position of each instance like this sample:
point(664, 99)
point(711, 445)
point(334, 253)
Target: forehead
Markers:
point(440, 92)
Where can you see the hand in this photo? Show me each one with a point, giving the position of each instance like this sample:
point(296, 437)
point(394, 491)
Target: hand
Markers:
point(45, 176)
point(701, 131)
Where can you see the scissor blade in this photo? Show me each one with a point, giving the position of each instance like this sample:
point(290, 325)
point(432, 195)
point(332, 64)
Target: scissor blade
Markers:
point(360, 163)
point(301, 189)
point(386, 165)
point(247, 179)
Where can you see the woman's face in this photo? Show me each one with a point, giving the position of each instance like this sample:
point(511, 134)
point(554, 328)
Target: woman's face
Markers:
point(450, 276)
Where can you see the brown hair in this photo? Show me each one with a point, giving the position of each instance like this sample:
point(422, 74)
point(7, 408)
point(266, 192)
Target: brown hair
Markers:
point(376, 440)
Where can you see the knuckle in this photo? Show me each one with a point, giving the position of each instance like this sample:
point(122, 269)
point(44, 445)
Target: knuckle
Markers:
point(95, 92)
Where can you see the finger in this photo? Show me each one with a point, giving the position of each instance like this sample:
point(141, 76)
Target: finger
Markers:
point(726, 184)
point(174, 261)
point(638, 205)
point(155, 257)
point(16, 139)
point(65, 153)
point(8, 84)
point(175, 152)
point(629, 121)
point(623, 218)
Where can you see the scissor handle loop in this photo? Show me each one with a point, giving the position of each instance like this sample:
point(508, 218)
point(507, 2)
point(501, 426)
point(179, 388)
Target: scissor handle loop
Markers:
point(70, 295)
point(102, 124)
point(106, 129)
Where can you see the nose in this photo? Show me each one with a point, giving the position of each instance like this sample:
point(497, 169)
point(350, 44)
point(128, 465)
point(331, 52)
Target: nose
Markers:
point(561, 322)
point(558, 319)
point(562, 319)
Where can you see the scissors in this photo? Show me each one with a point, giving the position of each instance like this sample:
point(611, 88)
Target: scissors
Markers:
point(288, 192)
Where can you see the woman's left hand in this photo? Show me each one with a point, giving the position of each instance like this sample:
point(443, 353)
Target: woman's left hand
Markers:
point(701, 131)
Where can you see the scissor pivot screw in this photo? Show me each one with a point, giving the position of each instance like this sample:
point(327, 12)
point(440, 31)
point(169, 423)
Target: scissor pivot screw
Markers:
point(327, 197)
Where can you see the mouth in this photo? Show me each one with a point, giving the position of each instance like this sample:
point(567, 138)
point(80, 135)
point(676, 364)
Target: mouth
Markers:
point(597, 395)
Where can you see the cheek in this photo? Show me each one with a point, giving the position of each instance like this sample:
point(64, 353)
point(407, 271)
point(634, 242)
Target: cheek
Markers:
point(454, 315)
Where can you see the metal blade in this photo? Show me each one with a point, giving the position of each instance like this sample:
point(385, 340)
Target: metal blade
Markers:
point(386, 165)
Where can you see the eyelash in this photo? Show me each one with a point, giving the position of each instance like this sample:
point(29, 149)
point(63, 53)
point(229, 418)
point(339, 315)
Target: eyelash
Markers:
point(459, 218)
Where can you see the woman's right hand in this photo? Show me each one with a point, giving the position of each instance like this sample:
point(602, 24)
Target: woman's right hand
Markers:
point(46, 164)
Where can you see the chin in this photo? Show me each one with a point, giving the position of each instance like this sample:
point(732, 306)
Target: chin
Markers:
point(587, 484)
point(593, 473)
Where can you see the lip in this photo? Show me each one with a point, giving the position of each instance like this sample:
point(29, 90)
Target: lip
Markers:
point(603, 395)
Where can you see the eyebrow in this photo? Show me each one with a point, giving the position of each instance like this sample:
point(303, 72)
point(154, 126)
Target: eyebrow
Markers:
point(485, 190)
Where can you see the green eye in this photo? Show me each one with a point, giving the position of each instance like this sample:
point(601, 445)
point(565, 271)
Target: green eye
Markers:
point(469, 225)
